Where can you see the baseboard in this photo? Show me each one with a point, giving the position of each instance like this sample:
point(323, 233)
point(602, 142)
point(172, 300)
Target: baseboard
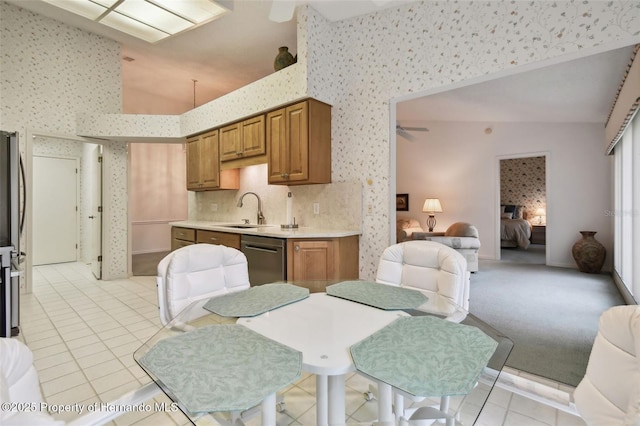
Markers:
point(150, 251)
point(624, 291)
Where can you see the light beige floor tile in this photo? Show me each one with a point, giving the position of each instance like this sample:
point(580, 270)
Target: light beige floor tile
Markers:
point(49, 350)
point(517, 419)
point(44, 343)
point(114, 380)
point(63, 383)
point(95, 358)
point(52, 360)
point(51, 373)
point(103, 369)
point(533, 409)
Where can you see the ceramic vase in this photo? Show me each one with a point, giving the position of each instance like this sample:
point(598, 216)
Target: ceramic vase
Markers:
point(283, 59)
point(588, 253)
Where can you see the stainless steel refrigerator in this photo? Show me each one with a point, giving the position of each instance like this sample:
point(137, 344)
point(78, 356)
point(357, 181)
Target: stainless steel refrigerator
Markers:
point(11, 221)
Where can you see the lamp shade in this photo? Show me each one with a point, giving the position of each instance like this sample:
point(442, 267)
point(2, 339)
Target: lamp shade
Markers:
point(432, 205)
point(540, 212)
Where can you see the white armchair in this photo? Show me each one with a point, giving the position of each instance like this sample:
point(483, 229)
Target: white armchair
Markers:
point(427, 266)
point(197, 272)
point(609, 393)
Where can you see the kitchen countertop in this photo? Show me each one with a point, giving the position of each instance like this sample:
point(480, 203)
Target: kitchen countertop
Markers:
point(266, 230)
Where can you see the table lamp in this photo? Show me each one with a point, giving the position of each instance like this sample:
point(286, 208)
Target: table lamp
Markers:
point(540, 213)
point(431, 206)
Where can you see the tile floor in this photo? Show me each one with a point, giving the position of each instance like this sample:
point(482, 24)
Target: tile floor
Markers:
point(83, 333)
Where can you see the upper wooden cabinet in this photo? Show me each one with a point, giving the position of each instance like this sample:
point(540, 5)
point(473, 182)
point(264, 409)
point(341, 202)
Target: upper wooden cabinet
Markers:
point(299, 144)
point(243, 139)
point(203, 165)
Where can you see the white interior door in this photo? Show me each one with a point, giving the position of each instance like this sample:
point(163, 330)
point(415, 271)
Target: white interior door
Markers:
point(55, 210)
point(96, 213)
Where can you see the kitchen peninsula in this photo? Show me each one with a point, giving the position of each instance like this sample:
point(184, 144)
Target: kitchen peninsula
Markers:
point(301, 254)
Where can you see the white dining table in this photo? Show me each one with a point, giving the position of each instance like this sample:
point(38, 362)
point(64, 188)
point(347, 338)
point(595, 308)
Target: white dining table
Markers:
point(323, 328)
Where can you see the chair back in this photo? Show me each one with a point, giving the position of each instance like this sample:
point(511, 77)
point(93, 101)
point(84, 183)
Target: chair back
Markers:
point(196, 272)
point(426, 265)
point(609, 393)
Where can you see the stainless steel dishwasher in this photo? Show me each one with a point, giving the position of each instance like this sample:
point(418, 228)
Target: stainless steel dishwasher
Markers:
point(266, 258)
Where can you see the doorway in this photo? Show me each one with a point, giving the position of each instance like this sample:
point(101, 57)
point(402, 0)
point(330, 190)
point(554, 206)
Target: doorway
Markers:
point(86, 238)
point(523, 205)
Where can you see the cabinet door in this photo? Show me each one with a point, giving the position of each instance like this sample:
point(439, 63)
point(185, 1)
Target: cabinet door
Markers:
point(311, 260)
point(297, 135)
point(193, 163)
point(253, 138)
point(277, 142)
point(230, 142)
point(209, 160)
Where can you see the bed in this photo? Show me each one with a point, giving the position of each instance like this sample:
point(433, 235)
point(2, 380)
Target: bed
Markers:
point(515, 230)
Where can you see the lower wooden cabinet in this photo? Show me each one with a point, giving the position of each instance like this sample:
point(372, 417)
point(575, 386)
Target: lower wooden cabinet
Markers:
point(181, 237)
point(221, 238)
point(322, 259)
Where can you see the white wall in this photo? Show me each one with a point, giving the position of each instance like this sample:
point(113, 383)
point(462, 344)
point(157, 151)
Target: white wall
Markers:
point(458, 163)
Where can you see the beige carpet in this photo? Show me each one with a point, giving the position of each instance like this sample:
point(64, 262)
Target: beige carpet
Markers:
point(550, 313)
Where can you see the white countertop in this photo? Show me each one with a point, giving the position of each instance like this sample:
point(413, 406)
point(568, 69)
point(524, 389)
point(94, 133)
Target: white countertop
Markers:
point(267, 230)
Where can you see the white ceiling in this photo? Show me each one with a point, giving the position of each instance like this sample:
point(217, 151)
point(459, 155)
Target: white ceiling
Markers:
point(576, 91)
point(240, 47)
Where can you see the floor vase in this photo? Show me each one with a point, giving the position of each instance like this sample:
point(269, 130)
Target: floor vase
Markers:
point(589, 253)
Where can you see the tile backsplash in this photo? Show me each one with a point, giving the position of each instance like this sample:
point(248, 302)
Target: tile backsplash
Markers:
point(340, 203)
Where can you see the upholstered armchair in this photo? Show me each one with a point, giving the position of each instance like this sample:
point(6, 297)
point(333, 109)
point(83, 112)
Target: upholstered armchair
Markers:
point(461, 236)
point(405, 229)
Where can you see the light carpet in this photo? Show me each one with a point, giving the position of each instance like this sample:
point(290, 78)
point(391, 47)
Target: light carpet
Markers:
point(551, 314)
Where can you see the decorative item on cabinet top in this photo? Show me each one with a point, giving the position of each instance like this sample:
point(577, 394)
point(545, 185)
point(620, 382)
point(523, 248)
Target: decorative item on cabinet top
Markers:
point(284, 59)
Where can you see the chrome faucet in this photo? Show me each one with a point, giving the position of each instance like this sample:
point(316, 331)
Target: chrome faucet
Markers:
point(260, 216)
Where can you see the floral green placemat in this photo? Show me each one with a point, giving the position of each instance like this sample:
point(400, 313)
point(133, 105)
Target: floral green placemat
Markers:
point(425, 356)
point(381, 296)
point(256, 300)
point(222, 367)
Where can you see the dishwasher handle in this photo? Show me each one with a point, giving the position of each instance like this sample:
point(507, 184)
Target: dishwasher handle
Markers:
point(267, 249)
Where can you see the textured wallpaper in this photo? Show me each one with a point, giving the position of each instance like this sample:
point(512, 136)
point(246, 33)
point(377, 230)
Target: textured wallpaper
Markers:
point(522, 183)
point(364, 62)
point(50, 72)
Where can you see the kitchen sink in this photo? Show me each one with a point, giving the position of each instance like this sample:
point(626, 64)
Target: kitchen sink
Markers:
point(242, 226)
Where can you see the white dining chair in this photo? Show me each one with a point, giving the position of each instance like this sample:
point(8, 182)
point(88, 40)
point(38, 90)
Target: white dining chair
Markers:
point(427, 266)
point(20, 387)
point(434, 269)
point(196, 272)
point(609, 393)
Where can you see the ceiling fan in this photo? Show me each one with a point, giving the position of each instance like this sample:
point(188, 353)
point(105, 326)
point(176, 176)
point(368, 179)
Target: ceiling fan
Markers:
point(404, 131)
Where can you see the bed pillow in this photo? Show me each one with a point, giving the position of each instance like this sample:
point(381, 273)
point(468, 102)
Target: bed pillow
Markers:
point(518, 213)
point(506, 215)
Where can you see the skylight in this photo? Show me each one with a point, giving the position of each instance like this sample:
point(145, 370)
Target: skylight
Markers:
point(149, 20)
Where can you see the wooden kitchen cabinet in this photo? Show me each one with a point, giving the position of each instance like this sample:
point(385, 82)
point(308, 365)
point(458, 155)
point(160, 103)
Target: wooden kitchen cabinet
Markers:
point(220, 238)
point(322, 259)
point(203, 165)
point(181, 237)
point(299, 144)
point(243, 139)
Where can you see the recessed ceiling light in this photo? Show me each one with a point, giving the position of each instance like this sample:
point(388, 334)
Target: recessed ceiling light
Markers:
point(149, 20)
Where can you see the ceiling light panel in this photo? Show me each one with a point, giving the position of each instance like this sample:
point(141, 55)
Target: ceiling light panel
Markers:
point(150, 20)
point(87, 9)
point(197, 11)
point(133, 27)
point(152, 15)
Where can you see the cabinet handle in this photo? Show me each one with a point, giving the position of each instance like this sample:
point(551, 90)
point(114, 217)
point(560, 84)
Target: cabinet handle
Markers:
point(296, 247)
point(285, 175)
point(238, 153)
point(213, 239)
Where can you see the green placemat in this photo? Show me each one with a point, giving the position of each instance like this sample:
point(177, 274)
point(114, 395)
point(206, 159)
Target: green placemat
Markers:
point(222, 367)
point(256, 300)
point(381, 296)
point(425, 356)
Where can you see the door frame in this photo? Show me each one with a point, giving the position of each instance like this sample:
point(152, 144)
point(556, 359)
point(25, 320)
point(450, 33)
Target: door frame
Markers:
point(549, 206)
point(30, 134)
